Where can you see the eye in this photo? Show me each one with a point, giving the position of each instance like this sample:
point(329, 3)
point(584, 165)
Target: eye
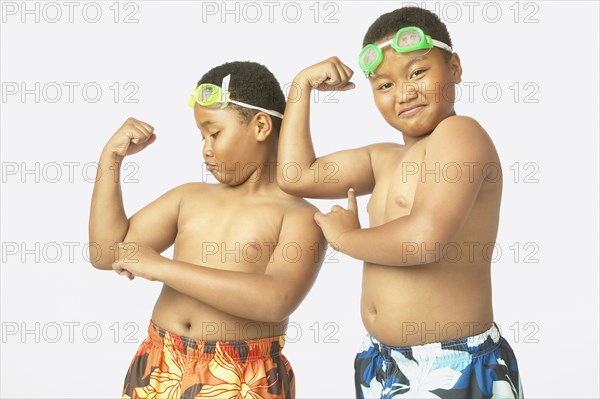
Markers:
point(417, 73)
point(384, 86)
point(215, 134)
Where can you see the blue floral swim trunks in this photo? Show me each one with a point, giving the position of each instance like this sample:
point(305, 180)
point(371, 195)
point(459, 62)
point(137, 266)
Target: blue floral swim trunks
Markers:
point(480, 366)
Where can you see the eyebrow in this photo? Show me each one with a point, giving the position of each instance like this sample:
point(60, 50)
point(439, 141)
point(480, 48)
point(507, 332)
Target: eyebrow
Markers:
point(411, 62)
point(206, 123)
point(377, 76)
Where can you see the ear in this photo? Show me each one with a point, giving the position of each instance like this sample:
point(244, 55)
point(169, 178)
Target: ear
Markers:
point(455, 68)
point(263, 126)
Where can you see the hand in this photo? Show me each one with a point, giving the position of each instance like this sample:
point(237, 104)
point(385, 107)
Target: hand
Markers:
point(131, 138)
point(135, 259)
point(328, 75)
point(339, 221)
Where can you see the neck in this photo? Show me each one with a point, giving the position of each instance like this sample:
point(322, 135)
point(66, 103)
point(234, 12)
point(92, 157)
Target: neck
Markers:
point(409, 141)
point(264, 178)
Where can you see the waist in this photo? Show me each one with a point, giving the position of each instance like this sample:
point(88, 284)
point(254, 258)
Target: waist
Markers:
point(190, 317)
point(197, 348)
point(476, 345)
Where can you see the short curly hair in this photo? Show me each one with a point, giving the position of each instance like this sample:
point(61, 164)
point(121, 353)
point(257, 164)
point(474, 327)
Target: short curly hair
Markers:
point(388, 24)
point(251, 83)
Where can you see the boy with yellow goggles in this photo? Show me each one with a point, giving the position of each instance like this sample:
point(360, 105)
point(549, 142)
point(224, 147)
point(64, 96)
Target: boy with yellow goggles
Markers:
point(208, 94)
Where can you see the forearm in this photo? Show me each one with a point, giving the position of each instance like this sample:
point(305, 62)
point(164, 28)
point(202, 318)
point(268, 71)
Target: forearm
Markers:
point(252, 296)
point(295, 142)
point(402, 242)
point(108, 223)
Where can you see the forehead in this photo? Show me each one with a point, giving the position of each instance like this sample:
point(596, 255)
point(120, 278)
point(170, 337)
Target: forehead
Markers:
point(205, 116)
point(393, 60)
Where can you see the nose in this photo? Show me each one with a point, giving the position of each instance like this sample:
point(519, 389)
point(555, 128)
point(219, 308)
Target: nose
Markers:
point(406, 91)
point(207, 149)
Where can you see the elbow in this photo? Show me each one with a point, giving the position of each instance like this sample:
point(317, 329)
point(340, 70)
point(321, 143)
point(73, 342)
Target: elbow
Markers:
point(433, 247)
point(428, 244)
point(289, 185)
point(279, 308)
point(96, 259)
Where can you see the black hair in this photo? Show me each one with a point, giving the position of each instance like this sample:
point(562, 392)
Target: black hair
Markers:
point(388, 24)
point(251, 83)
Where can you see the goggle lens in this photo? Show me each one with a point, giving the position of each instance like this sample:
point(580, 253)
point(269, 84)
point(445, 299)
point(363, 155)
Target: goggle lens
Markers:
point(408, 38)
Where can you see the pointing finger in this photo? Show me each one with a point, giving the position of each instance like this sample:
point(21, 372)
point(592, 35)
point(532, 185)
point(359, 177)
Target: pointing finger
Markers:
point(352, 205)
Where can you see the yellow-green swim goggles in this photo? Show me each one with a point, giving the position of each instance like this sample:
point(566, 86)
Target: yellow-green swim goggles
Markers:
point(208, 94)
point(406, 40)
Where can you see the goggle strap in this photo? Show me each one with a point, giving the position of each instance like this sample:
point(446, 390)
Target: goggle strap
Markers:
point(268, 111)
point(382, 45)
point(441, 45)
point(225, 89)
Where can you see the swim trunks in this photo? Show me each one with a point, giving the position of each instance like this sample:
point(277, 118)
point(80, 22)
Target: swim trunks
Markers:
point(480, 366)
point(167, 365)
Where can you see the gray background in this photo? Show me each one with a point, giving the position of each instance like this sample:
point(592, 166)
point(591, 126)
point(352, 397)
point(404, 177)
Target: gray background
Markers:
point(70, 331)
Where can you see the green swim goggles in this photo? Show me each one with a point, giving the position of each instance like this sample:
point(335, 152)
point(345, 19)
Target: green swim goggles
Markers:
point(406, 40)
point(210, 95)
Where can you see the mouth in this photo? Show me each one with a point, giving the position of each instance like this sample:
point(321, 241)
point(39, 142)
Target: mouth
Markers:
point(411, 111)
point(210, 166)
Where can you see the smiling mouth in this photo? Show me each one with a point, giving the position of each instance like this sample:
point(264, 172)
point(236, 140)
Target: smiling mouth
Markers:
point(407, 113)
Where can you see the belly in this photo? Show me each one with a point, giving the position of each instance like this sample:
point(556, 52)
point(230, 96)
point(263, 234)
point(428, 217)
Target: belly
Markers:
point(403, 306)
point(189, 317)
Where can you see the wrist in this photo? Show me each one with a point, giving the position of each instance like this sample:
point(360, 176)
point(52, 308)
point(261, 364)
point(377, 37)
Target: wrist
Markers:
point(108, 155)
point(302, 82)
point(345, 240)
point(160, 271)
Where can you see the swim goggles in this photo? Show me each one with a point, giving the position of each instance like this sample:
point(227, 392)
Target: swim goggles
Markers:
point(208, 94)
point(406, 40)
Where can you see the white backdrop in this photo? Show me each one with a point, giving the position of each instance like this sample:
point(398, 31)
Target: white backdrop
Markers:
point(71, 72)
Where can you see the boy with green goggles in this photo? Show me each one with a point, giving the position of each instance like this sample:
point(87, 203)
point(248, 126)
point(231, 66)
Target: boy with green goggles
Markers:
point(407, 40)
point(426, 299)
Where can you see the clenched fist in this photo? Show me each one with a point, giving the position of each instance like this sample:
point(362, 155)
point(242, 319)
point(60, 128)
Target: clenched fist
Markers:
point(131, 138)
point(331, 74)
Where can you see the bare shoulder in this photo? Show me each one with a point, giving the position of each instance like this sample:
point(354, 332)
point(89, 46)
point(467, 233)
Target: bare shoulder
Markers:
point(459, 127)
point(195, 188)
point(298, 218)
point(382, 154)
point(384, 149)
point(462, 134)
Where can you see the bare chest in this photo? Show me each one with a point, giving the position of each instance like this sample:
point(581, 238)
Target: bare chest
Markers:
point(228, 234)
point(396, 183)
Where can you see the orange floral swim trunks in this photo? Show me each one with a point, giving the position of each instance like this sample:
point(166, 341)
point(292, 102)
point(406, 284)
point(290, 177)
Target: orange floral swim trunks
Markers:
point(171, 366)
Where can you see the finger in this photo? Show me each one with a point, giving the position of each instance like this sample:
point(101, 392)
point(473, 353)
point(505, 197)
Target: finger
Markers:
point(147, 127)
point(150, 140)
point(348, 70)
point(318, 218)
point(342, 74)
point(336, 208)
point(347, 86)
point(352, 205)
point(136, 134)
point(333, 77)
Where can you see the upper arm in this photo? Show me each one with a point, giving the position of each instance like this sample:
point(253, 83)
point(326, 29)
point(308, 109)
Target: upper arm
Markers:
point(330, 176)
point(457, 159)
point(297, 258)
point(156, 224)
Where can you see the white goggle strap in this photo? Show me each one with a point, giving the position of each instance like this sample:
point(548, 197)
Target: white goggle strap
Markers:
point(436, 43)
point(441, 45)
point(225, 96)
point(382, 45)
point(268, 111)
